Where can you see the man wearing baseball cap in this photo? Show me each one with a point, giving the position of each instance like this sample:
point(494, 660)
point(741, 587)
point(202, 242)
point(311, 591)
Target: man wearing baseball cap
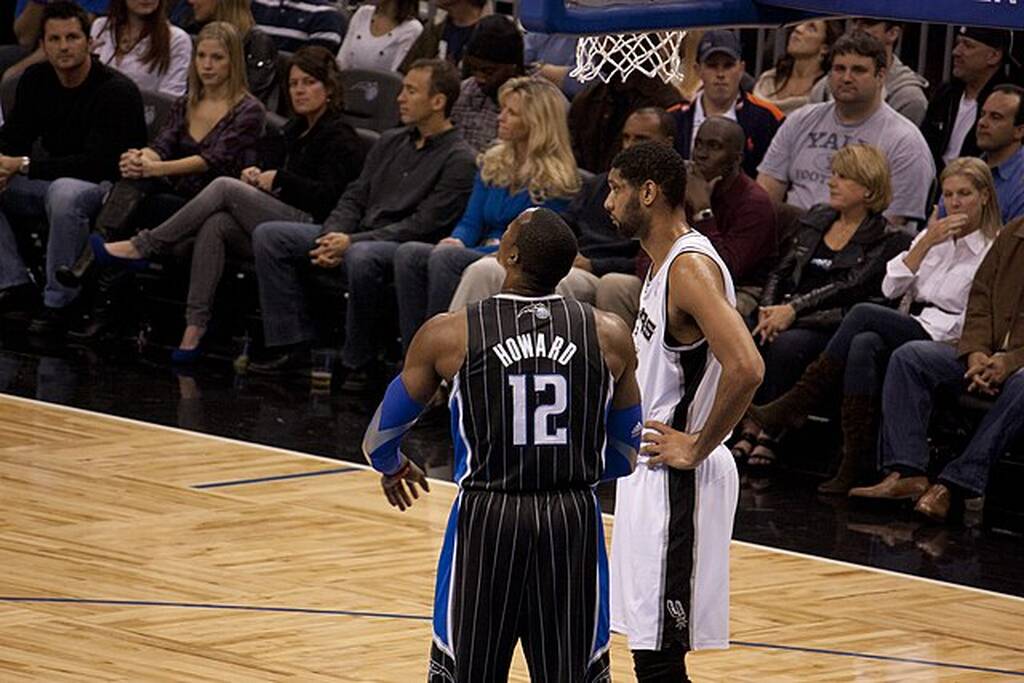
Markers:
point(949, 126)
point(721, 68)
point(493, 55)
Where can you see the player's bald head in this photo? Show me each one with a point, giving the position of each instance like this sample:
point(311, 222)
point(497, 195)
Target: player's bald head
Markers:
point(726, 130)
point(544, 247)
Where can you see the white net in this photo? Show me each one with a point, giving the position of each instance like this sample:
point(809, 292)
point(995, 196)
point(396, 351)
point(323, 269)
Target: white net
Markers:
point(656, 54)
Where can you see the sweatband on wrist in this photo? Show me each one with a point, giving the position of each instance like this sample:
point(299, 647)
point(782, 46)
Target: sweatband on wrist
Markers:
point(395, 415)
point(623, 428)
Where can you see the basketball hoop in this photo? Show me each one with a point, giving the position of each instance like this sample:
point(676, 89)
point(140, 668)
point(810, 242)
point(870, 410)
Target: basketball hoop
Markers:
point(655, 54)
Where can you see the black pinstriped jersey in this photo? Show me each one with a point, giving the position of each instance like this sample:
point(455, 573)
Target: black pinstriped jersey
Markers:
point(530, 401)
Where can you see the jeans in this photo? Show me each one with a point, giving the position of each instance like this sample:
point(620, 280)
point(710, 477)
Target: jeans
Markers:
point(426, 277)
point(917, 372)
point(281, 251)
point(786, 358)
point(26, 199)
point(221, 217)
point(480, 280)
point(619, 293)
point(71, 206)
point(864, 341)
point(484, 279)
point(370, 270)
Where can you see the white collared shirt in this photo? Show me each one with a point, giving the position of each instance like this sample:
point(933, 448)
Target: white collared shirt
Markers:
point(173, 82)
point(966, 116)
point(699, 116)
point(943, 282)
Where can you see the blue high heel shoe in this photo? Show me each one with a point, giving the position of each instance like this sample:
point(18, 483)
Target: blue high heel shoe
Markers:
point(106, 259)
point(185, 357)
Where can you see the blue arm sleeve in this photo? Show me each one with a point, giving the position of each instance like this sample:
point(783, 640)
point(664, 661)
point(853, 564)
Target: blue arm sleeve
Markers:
point(622, 428)
point(395, 415)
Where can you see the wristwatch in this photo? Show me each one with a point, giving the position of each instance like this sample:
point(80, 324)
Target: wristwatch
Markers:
point(703, 215)
point(23, 169)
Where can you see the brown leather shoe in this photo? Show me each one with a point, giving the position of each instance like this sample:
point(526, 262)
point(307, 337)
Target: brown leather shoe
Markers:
point(893, 487)
point(935, 503)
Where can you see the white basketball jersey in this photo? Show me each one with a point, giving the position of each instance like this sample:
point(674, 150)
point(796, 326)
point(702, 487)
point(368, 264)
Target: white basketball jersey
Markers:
point(675, 379)
point(670, 542)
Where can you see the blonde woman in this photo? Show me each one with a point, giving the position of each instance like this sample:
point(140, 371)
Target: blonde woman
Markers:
point(210, 133)
point(259, 49)
point(835, 260)
point(210, 130)
point(530, 165)
point(323, 154)
point(933, 279)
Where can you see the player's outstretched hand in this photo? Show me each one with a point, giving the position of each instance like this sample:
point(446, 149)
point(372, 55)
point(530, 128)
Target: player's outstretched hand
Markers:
point(400, 488)
point(667, 446)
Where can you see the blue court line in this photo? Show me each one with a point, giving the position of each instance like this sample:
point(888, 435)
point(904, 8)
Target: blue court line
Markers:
point(416, 617)
point(280, 477)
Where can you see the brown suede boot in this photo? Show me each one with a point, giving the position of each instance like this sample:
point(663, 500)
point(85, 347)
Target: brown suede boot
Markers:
point(860, 439)
point(819, 381)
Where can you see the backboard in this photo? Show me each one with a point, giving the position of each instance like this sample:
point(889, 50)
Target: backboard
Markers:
point(617, 16)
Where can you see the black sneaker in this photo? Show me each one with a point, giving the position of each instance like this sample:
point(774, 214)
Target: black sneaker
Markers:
point(346, 380)
point(294, 362)
point(366, 379)
point(19, 298)
point(96, 326)
point(50, 321)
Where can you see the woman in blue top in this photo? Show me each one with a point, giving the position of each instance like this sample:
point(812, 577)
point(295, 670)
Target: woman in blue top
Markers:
point(530, 165)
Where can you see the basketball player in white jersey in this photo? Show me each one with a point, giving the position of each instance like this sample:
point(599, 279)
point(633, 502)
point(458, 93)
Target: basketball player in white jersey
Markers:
point(697, 368)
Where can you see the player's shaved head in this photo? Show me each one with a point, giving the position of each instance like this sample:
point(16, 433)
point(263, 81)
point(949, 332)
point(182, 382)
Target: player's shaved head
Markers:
point(546, 247)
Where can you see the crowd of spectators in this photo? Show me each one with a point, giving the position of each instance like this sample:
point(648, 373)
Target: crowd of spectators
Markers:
point(859, 209)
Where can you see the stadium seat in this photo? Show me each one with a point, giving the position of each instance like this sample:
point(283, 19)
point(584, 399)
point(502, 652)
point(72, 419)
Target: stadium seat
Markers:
point(367, 137)
point(371, 98)
point(157, 107)
point(8, 89)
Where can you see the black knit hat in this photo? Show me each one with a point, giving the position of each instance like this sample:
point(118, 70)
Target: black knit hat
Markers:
point(497, 40)
point(995, 38)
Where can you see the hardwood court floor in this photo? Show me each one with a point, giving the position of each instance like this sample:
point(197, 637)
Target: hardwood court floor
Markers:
point(138, 553)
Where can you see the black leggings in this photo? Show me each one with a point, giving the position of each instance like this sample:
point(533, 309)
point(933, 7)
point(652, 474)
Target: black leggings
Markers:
point(661, 666)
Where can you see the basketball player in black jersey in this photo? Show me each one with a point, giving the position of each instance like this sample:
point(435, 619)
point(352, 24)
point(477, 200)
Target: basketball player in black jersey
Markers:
point(544, 406)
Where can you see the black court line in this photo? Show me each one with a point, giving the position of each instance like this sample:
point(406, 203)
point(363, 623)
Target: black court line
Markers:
point(417, 617)
point(202, 605)
point(884, 658)
point(280, 477)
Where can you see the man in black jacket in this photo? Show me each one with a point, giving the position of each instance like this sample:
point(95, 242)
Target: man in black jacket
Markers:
point(82, 115)
point(414, 186)
point(721, 69)
point(951, 121)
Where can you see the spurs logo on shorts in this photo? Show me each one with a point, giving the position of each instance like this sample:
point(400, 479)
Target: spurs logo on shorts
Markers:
point(676, 611)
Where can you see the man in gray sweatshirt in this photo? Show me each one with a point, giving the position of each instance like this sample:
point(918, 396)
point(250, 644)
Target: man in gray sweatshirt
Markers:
point(904, 87)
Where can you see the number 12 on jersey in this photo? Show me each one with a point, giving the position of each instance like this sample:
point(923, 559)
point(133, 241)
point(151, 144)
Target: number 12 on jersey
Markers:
point(543, 434)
